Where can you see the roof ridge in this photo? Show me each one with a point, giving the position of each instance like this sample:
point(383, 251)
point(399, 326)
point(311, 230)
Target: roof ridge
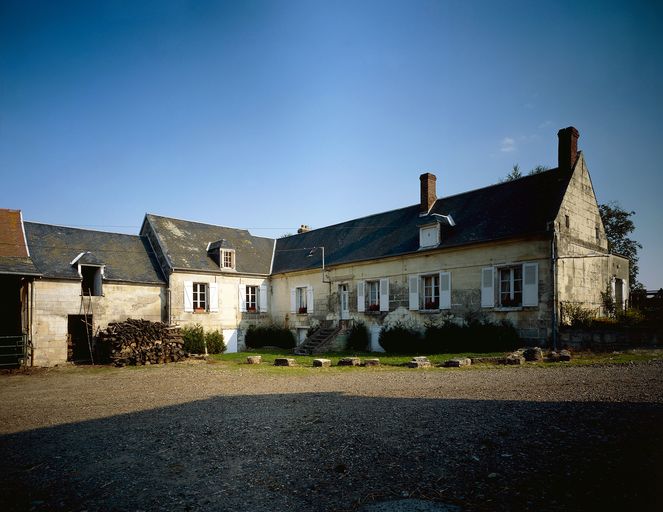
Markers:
point(82, 229)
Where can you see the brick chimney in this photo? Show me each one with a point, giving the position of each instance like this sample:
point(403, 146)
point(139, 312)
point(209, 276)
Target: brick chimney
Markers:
point(428, 194)
point(567, 149)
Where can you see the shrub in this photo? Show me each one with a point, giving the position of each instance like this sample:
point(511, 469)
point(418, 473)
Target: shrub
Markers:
point(475, 336)
point(194, 338)
point(215, 343)
point(399, 339)
point(358, 338)
point(574, 315)
point(269, 336)
point(630, 318)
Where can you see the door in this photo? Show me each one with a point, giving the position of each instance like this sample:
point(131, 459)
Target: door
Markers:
point(345, 307)
point(79, 335)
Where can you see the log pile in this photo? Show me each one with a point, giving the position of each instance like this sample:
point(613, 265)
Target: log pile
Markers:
point(140, 342)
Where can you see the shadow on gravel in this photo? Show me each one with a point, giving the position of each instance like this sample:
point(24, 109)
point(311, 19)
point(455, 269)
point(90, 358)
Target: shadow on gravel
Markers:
point(336, 452)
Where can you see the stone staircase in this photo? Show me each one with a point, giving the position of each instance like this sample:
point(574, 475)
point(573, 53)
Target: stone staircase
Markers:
point(317, 341)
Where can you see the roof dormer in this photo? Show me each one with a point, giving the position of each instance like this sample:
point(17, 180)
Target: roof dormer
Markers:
point(223, 254)
point(430, 229)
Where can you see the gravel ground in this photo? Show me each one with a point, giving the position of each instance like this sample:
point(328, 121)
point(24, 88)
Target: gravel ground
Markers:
point(222, 437)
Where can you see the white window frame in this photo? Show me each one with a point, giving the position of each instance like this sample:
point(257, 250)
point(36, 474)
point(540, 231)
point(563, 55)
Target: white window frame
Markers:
point(510, 282)
point(430, 292)
point(200, 297)
point(301, 299)
point(252, 298)
point(227, 259)
point(372, 291)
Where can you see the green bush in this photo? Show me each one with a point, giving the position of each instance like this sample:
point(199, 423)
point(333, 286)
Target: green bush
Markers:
point(575, 315)
point(215, 343)
point(399, 339)
point(475, 336)
point(194, 338)
point(358, 338)
point(269, 336)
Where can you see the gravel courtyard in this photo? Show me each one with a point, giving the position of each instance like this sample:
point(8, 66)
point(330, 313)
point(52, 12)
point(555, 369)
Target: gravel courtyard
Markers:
point(228, 437)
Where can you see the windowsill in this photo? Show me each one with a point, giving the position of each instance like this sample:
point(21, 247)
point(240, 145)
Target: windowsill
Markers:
point(509, 308)
point(199, 311)
point(429, 311)
point(375, 313)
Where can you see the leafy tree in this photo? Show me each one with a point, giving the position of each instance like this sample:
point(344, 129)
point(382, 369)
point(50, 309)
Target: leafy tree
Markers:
point(618, 226)
point(539, 168)
point(517, 173)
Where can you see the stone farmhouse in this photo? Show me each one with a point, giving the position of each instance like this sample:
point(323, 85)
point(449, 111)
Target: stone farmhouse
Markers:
point(515, 250)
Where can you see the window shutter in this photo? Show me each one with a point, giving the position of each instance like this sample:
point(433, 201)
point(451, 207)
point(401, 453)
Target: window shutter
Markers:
point(414, 292)
point(445, 290)
point(384, 294)
point(242, 297)
point(262, 301)
point(487, 287)
point(624, 294)
point(188, 296)
point(309, 300)
point(530, 284)
point(293, 300)
point(214, 297)
point(361, 300)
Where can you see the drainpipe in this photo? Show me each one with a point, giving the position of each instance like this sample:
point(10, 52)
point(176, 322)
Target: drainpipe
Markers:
point(553, 254)
point(30, 315)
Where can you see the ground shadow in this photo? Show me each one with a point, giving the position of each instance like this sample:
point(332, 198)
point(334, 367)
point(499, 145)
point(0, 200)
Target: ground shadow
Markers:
point(329, 451)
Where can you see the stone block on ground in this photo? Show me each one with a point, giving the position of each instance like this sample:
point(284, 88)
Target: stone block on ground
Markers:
point(419, 362)
point(457, 362)
point(552, 357)
point(319, 363)
point(284, 361)
point(516, 359)
point(372, 362)
point(564, 355)
point(254, 359)
point(533, 354)
point(349, 361)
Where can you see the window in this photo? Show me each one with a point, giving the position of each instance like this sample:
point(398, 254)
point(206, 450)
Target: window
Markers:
point(91, 284)
point(199, 296)
point(227, 259)
point(373, 296)
point(431, 288)
point(597, 233)
point(511, 286)
point(252, 298)
point(300, 300)
point(567, 221)
point(429, 236)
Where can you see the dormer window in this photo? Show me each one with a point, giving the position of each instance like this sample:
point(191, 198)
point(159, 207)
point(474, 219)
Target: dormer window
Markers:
point(429, 236)
point(228, 259)
point(222, 253)
point(92, 280)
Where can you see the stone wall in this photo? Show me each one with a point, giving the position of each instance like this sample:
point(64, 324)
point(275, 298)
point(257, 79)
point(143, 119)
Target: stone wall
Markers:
point(54, 301)
point(605, 340)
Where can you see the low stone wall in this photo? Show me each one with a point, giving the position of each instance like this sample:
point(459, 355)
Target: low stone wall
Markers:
point(607, 339)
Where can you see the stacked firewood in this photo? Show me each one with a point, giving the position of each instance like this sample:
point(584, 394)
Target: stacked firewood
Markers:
point(139, 342)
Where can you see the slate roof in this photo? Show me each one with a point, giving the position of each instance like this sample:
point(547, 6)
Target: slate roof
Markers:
point(185, 243)
point(511, 209)
point(128, 258)
point(14, 255)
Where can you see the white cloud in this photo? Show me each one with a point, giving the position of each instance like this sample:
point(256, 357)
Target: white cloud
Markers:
point(507, 145)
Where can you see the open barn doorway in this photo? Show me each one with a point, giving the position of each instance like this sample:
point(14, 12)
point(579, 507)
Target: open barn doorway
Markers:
point(79, 339)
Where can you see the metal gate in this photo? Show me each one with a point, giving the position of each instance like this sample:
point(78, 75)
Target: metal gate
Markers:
point(13, 351)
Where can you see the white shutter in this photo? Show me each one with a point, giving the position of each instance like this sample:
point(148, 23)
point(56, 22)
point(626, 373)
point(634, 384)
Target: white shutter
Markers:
point(414, 292)
point(241, 293)
point(188, 296)
point(293, 300)
point(309, 299)
point(213, 297)
point(262, 301)
point(530, 284)
point(487, 287)
point(361, 300)
point(445, 290)
point(624, 294)
point(384, 294)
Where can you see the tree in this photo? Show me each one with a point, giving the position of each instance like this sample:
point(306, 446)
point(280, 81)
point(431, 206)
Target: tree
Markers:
point(618, 226)
point(517, 173)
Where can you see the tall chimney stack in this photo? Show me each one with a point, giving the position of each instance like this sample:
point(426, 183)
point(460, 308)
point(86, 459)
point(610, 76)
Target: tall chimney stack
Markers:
point(567, 149)
point(428, 194)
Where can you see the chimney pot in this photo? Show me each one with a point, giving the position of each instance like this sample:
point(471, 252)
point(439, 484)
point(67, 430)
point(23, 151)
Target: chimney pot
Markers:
point(303, 229)
point(567, 149)
point(428, 193)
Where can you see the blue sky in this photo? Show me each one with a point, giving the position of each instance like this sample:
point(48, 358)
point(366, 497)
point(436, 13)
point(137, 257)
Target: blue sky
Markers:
point(270, 114)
